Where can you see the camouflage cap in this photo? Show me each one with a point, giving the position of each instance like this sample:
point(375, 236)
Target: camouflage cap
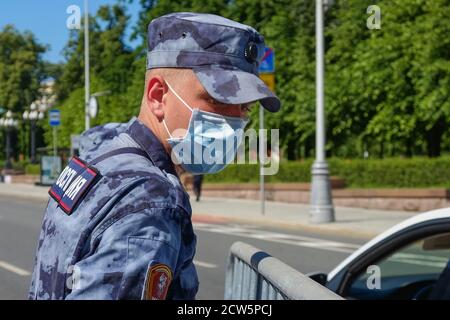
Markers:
point(223, 54)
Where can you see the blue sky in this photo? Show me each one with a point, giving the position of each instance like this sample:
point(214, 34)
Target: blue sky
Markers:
point(47, 19)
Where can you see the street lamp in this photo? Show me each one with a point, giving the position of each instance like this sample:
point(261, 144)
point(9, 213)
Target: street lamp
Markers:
point(86, 66)
point(90, 103)
point(8, 123)
point(36, 113)
point(322, 209)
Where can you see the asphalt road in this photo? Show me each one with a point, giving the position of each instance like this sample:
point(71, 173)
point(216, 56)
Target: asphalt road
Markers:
point(20, 222)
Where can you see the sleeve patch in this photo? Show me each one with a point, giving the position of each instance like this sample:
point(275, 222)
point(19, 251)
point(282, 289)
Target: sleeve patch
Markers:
point(72, 184)
point(159, 278)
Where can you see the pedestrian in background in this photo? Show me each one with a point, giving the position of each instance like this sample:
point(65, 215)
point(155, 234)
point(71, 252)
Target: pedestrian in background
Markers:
point(198, 180)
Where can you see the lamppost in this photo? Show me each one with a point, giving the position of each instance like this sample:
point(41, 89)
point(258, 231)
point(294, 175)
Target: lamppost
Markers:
point(36, 113)
point(87, 95)
point(322, 209)
point(90, 103)
point(8, 123)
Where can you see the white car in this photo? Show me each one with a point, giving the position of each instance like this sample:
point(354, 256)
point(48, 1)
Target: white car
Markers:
point(409, 261)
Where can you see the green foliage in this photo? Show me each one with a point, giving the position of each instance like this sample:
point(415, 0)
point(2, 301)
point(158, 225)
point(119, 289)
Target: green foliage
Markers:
point(17, 166)
point(113, 69)
point(33, 169)
point(20, 67)
point(391, 84)
point(72, 118)
point(394, 172)
point(21, 70)
point(387, 91)
point(387, 173)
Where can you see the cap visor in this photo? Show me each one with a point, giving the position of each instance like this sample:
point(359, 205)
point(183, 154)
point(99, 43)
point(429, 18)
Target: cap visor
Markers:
point(234, 86)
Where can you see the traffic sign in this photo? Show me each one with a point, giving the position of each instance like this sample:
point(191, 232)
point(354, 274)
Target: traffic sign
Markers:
point(54, 117)
point(268, 61)
point(269, 80)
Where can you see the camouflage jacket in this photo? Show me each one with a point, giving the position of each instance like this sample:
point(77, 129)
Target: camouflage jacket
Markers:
point(127, 234)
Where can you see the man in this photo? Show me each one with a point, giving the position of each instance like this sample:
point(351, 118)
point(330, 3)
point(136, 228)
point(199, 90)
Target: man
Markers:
point(197, 184)
point(118, 224)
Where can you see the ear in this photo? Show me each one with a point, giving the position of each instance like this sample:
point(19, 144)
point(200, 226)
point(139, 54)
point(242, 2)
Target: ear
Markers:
point(156, 89)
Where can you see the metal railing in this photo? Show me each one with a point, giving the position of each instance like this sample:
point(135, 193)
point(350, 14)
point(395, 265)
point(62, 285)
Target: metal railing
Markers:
point(254, 275)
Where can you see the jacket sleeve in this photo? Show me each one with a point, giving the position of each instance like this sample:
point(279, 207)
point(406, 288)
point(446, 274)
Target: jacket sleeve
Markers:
point(135, 257)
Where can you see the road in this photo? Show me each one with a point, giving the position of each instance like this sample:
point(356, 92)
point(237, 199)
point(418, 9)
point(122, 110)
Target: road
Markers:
point(20, 222)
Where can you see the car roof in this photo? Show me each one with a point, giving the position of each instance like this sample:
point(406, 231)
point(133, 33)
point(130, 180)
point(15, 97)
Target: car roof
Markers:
point(417, 219)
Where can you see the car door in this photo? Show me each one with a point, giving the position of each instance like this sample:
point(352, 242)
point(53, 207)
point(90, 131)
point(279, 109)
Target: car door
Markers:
point(409, 264)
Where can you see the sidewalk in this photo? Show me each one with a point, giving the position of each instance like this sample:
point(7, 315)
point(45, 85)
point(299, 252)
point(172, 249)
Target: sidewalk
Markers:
point(350, 222)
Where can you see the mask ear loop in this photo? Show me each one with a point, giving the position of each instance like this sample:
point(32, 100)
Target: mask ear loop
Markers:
point(176, 95)
point(184, 102)
point(167, 129)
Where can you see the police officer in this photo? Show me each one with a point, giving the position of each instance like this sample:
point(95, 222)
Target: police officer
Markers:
point(118, 223)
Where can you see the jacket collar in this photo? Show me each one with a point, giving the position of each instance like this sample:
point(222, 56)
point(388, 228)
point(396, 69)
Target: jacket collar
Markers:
point(148, 141)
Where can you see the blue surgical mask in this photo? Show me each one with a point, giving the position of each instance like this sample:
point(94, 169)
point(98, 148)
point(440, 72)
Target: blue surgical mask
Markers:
point(210, 143)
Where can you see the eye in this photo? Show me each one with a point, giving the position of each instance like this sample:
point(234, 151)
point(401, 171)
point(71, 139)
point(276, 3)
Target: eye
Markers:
point(213, 101)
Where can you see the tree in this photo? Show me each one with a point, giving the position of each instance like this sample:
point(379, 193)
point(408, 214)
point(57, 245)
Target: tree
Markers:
point(112, 68)
point(391, 84)
point(387, 90)
point(21, 70)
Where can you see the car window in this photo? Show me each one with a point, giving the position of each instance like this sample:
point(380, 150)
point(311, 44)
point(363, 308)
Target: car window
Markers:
point(405, 272)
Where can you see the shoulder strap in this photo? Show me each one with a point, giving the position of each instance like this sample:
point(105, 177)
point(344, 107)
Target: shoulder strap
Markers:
point(115, 152)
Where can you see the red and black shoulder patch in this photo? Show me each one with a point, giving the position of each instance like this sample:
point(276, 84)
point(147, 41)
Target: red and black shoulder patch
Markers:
point(159, 277)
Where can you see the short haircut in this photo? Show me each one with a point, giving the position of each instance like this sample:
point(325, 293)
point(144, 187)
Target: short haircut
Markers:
point(175, 76)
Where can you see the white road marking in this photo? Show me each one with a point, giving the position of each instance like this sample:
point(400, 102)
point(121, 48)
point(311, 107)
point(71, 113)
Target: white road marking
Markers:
point(14, 269)
point(300, 241)
point(205, 264)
